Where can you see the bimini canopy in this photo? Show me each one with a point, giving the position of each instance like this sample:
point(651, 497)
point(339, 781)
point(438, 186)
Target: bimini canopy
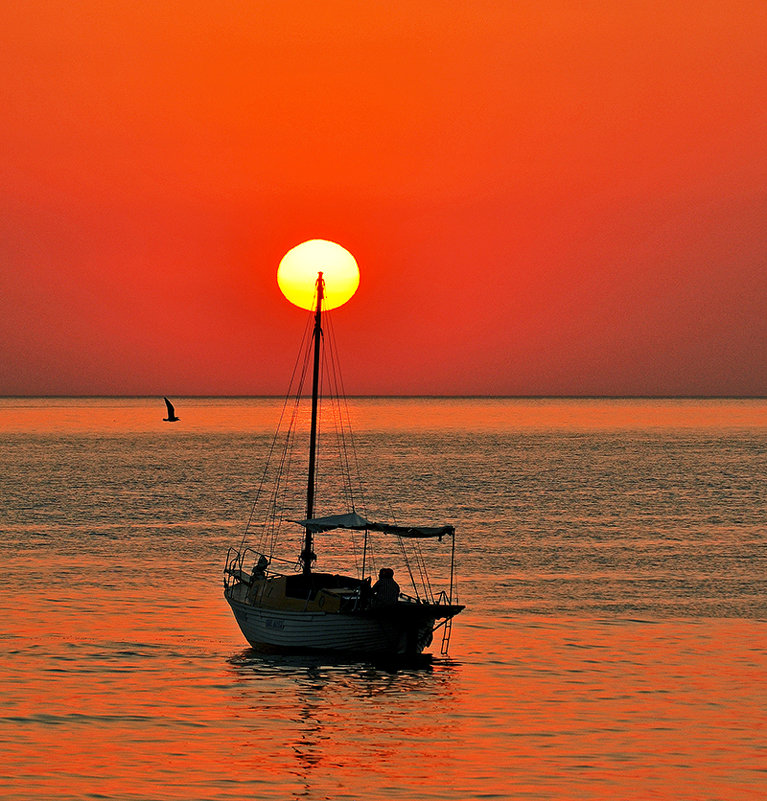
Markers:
point(353, 521)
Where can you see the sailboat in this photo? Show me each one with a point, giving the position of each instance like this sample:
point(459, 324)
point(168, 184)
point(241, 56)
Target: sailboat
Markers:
point(292, 606)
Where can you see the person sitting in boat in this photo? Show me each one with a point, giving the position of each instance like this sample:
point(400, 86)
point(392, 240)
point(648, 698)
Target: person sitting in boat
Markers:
point(259, 569)
point(386, 589)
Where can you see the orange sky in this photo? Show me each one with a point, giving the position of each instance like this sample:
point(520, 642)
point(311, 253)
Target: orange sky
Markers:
point(543, 197)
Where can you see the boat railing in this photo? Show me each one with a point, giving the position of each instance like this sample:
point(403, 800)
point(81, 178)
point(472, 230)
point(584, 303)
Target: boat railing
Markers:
point(443, 598)
point(233, 571)
point(236, 560)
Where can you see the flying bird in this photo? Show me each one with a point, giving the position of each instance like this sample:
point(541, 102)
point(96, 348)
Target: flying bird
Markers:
point(171, 418)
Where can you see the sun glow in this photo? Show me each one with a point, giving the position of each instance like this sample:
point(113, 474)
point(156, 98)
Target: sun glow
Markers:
point(297, 274)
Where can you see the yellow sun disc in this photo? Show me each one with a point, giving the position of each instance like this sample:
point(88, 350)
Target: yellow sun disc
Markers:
point(297, 274)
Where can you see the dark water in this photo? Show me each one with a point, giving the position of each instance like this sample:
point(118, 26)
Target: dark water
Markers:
point(612, 555)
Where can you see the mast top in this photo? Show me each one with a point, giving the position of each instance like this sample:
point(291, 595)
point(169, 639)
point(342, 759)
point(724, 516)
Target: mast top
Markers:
point(297, 274)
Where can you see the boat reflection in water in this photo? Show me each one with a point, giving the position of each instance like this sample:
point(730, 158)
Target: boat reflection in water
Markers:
point(330, 718)
point(308, 610)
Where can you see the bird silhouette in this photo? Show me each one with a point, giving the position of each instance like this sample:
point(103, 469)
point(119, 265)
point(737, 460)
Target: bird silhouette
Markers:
point(171, 418)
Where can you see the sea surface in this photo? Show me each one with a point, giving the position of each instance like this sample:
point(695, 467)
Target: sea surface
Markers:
point(612, 555)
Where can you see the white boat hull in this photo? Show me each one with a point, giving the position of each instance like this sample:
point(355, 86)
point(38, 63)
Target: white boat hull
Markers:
point(284, 630)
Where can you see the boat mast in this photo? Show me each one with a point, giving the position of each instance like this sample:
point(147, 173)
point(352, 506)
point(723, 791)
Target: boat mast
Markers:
point(307, 555)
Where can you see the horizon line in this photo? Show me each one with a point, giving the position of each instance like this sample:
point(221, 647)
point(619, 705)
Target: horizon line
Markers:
point(432, 396)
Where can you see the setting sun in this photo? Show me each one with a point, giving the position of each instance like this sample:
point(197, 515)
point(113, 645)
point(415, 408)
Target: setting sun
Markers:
point(297, 273)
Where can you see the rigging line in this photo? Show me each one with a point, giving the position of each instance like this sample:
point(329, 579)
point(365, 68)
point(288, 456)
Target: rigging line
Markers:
point(291, 391)
point(343, 457)
point(343, 408)
point(421, 561)
point(279, 505)
point(269, 530)
point(271, 448)
point(403, 550)
point(282, 480)
point(337, 423)
point(343, 461)
point(343, 430)
point(326, 396)
point(329, 395)
point(261, 484)
point(329, 381)
point(282, 484)
point(281, 489)
point(345, 418)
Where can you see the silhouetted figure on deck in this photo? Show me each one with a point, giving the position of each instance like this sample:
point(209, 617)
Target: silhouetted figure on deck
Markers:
point(259, 569)
point(171, 418)
point(386, 589)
